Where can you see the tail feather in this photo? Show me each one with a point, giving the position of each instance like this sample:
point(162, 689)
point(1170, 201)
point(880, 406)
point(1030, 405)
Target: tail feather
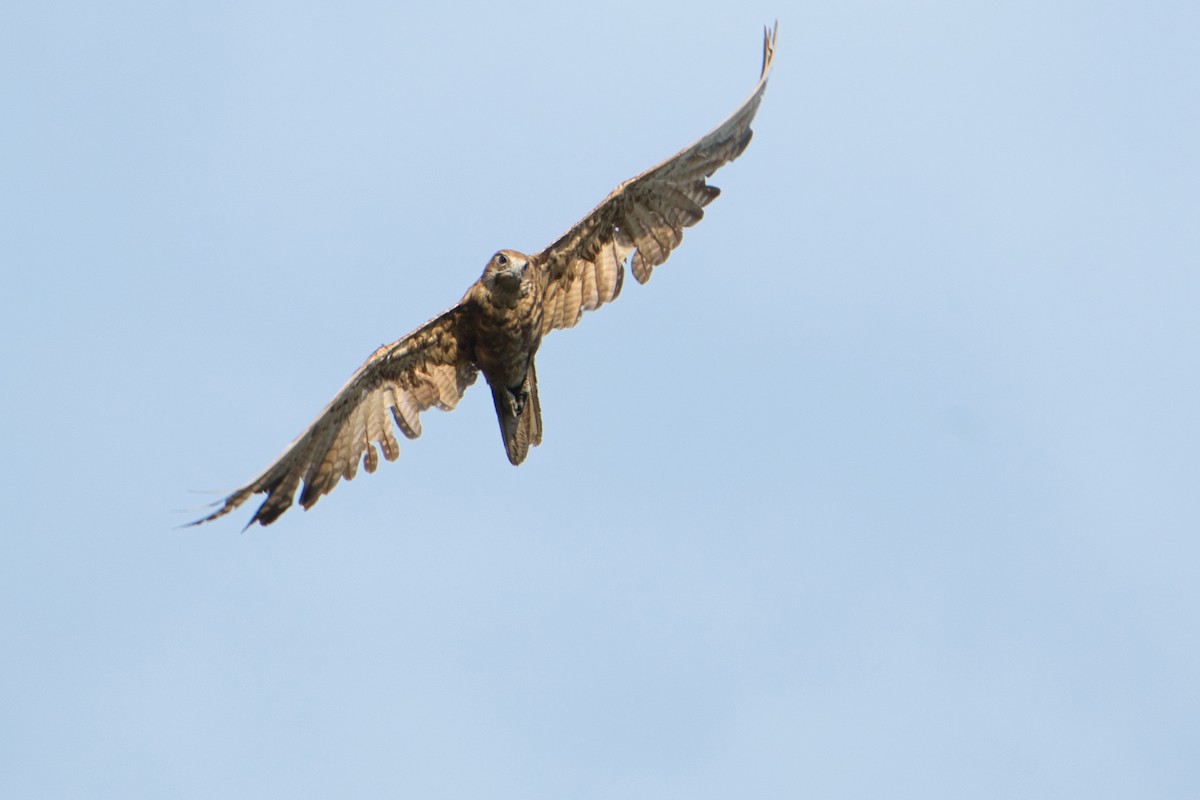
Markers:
point(523, 430)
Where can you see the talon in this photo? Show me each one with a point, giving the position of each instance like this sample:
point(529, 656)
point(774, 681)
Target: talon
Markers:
point(517, 396)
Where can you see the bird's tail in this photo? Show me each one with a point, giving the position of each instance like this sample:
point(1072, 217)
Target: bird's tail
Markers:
point(520, 417)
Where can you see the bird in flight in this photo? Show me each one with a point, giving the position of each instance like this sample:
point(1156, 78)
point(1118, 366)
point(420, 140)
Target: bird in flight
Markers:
point(497, 326)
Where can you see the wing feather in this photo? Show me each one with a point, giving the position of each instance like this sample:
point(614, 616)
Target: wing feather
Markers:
point(430, 367)
point(645, 215)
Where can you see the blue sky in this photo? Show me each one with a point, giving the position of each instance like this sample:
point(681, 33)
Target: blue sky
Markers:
point(884, 485)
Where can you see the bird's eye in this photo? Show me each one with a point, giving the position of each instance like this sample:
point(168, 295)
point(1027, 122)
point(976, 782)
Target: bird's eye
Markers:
point(501, 260)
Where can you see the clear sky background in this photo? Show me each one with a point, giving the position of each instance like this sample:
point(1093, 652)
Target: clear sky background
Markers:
point(884, 486)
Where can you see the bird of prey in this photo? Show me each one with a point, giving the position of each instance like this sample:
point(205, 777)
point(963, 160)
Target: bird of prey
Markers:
point(497, 326)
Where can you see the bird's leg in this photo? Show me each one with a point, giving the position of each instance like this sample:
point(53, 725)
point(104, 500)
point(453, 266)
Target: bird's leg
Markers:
point(516, 399)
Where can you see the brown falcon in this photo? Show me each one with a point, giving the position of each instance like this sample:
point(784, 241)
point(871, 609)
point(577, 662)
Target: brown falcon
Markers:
point(497, 326)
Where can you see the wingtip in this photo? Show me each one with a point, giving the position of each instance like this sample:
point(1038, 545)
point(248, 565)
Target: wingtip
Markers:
point(770, 36)
point(220, 511)
point(219, 508)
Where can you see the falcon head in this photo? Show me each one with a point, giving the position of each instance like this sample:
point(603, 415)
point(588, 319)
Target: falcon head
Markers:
point(506, 272)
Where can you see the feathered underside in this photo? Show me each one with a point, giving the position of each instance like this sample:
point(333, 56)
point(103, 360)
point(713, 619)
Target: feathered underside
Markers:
point(429, 367)
point(644, 216)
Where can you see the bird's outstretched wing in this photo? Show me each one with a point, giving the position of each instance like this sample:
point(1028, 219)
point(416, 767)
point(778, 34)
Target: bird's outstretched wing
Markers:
point(428, 367)
point(645, 216)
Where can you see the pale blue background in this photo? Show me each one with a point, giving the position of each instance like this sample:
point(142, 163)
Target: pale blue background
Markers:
point(884, 486)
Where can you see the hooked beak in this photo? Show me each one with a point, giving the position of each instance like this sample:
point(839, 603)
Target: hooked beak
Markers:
point(513, 272)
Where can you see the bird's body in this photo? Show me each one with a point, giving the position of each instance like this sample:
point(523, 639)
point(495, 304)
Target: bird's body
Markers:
point(503, 316)
point(498, 325)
